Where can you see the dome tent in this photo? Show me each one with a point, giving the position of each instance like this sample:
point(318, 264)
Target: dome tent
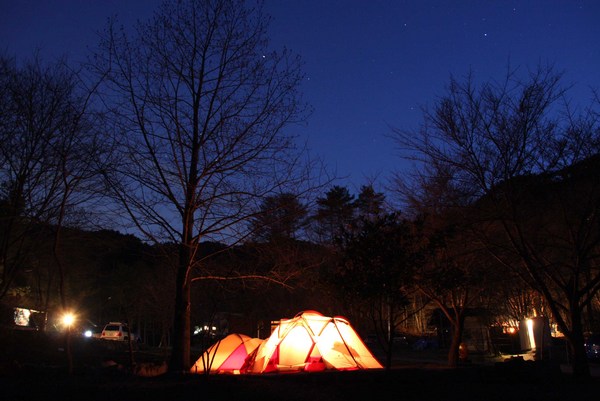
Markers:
point(227, 355)
point(311, 342)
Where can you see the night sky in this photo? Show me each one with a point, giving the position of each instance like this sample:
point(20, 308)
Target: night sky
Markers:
point(369, 64)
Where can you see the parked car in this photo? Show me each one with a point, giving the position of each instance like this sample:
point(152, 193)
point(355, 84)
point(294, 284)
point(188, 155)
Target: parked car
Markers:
point(117, 331)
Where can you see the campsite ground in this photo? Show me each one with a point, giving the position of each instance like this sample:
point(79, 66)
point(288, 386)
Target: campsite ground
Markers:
point(35, 369)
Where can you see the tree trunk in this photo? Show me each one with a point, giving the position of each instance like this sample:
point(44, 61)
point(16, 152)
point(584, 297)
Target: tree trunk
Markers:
point(389, 352)
point(61, 270)
point(180, 356)
point(453, 352)
point(580, 364)
point(389, 336)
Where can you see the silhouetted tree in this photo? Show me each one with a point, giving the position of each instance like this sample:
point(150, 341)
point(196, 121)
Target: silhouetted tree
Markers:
point(199, 105)
point(50, 153)
point(335, 211)
point(377, 265)
point(454, 277)
point(280, 217)
point(492, 142)
point(369, 203)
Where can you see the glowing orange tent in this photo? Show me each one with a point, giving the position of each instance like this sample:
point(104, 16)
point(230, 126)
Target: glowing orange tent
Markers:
point(312, 342)
point(227, 355)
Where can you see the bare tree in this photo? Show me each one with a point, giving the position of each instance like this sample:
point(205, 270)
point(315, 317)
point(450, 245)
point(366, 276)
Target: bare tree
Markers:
point(199, 106)
point(49, 153)
point(454, 279)
point(494, 145)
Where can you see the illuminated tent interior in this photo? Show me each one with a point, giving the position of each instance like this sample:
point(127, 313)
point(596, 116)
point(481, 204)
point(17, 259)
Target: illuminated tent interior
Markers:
point(312, 342)
point(227, 355)
point(309, 342)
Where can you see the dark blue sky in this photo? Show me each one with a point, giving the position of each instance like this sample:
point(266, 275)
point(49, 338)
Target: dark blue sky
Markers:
point(369, 63)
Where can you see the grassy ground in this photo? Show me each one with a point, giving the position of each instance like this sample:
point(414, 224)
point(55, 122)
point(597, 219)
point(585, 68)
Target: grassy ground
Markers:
point(33, 366)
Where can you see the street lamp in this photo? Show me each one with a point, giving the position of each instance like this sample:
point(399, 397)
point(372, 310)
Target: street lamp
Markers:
point(68, 319)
